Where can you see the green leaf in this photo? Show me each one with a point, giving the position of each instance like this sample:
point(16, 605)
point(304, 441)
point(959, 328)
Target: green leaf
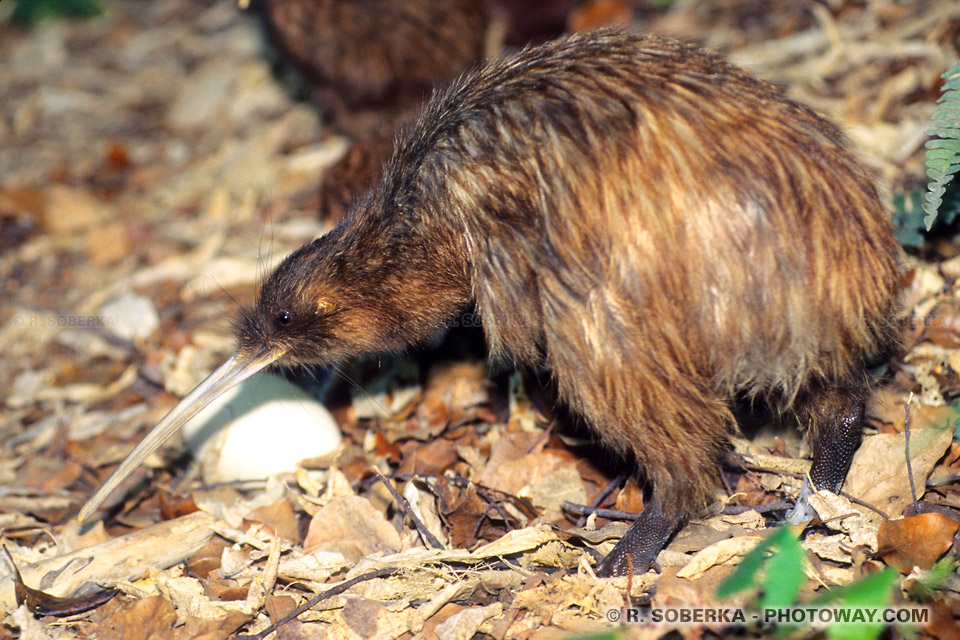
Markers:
point(871, 591)
point(930, 581)
point(784, 574)
point(744, 576)
point(30, 12)
point(943, 152)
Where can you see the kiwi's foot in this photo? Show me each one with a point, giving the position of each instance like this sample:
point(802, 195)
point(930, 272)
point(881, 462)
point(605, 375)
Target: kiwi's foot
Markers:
point(639, 546)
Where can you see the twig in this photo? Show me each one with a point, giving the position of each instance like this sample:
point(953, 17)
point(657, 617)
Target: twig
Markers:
point(602, 495)
point(932, 507)
point(584, 510)
point(906, 448)
point(942, 481)
point(842, 516)
point(865, 505)
point(496, 504)
point(408, 510)
point(487, 493)
point(317, 599)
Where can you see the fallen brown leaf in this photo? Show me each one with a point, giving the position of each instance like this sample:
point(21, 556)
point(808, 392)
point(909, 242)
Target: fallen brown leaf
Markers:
point(277, 518)
point(351, 522)
point(155, 617)
point(916, 541)
point(147, 618)
point(445, 613)
point(361, 614)
point(878, 474)
point(673, 590)
point(431, 458)
point(630, 497)
point(43, 604)
point(207, 558)
point(462, 509)
point(279, 606)
point(175, 507)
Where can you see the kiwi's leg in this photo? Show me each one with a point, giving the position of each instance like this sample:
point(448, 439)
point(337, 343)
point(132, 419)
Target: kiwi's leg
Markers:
point(639, 546)
point(835, 424)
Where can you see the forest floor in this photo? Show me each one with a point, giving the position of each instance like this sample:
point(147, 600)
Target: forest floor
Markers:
point(157, 160)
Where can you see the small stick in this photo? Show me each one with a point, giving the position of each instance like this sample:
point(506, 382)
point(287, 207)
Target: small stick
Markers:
point(602, 495)
point(487, 493)
point(317, 599)
point(906, 448)
point(942, 481)
point(865, 505)
point(408, 510)
point(496, 505)
point(612, 514)
point(839, 518)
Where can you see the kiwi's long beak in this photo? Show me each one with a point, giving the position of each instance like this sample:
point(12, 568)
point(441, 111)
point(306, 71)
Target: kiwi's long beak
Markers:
point(238, 368)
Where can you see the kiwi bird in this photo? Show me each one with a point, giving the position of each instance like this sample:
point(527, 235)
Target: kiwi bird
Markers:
point(366, 62)
point(664, 231)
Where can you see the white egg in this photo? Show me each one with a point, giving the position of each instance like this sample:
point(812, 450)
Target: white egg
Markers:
point(263, 426)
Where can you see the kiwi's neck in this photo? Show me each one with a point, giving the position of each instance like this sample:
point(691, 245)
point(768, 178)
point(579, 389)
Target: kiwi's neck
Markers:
point(411, 274)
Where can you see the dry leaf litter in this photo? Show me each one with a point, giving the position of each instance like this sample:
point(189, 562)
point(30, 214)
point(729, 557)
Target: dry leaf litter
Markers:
point(156, 162)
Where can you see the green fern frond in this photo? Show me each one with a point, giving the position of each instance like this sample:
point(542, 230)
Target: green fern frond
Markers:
point(943, 155)
point(31, 12)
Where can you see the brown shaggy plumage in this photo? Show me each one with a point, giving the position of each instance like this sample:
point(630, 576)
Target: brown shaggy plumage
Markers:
point(664, 231)
point(367, 60)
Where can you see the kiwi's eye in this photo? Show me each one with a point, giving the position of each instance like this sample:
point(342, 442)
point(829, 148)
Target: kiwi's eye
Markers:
point(284, 318)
